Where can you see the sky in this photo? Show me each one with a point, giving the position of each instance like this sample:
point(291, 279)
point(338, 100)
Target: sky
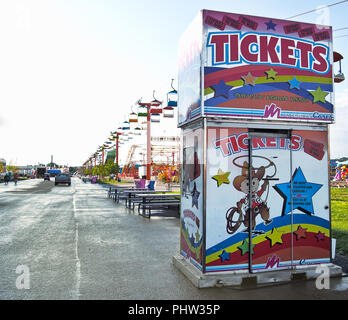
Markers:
point(70, 70)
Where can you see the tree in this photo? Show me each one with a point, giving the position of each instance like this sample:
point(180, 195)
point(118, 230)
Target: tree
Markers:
point(52, 165)
point(102, 170)
point(95, 171)
point(111, 167)
point(11, 168)
point(1, 167)
point(87, 171)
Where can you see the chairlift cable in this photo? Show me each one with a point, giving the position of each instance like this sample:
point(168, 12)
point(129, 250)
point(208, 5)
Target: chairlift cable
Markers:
point(313, 10)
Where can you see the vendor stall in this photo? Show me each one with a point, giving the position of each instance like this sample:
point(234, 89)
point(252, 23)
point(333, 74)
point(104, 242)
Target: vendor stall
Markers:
point(255, 102)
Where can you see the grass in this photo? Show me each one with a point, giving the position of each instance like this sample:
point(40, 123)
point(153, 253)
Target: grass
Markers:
point(339, 218)
point(107, 180)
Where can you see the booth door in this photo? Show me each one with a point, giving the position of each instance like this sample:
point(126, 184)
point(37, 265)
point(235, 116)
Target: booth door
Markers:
point(311, 202)
point(268, 172)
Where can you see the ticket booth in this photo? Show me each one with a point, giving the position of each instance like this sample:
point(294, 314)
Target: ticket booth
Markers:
point(255, 100)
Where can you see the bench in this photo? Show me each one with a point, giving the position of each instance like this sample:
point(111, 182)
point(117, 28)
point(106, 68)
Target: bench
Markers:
point(111, 192)
point(129, 194)
point(120, 195)
point(134, 201)
point(156, 205)
point(137, 200)
point(339, 184)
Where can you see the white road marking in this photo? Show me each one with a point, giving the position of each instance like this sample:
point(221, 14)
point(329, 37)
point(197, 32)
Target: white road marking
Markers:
point(78, 263)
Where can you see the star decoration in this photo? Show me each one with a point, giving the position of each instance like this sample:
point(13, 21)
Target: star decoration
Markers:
point(221, 89)
point(300, 233)
point(320, 236)
point(270, 25)
point(275, 237)
point(224, 256)
point(249, 79)
point(294, 83)
point(244, 247)
point(302, 193)
point(271, 74)
point(198, 236)
point(195, 195)
point(221, 177)
point(319, 95)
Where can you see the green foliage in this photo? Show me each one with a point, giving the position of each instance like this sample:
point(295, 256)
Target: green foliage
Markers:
point(11, 168)
point(113, 181)
point(339, 218)
point(52, 165)
point(111, 167)
point(87, 171)
point(95, 171)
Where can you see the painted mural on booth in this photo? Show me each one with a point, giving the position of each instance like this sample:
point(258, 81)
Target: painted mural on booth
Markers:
point(270, 69)
point(288, 228)
point(191, 215)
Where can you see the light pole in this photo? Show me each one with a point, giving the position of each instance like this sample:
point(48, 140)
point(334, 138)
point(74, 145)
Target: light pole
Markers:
point(116, 136)
point(148, 138)
point(148, 133)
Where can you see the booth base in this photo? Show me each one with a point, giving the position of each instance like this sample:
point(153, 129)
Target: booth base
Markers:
point(243, 279)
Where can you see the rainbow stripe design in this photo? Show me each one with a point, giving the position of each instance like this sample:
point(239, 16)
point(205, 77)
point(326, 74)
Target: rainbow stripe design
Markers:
point(312, 248)
point(249, 101)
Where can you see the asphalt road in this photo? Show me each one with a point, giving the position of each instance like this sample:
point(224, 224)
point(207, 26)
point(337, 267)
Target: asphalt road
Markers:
point(75, 243)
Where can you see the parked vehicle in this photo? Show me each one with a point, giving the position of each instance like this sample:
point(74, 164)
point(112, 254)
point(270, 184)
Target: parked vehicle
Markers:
point(62, 178)
point(40, 172)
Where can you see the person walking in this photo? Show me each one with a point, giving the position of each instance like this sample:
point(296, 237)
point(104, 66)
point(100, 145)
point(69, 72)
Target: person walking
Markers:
point(7, 178)
point(15, 178)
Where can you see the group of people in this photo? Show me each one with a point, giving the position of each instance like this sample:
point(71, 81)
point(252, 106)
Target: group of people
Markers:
point(7, 178)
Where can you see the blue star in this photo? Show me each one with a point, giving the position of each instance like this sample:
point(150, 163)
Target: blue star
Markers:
point(270, 25)
point(195, 195)
point(302, 193)
point(294, 83)
point(221, 89)
point(224, 256)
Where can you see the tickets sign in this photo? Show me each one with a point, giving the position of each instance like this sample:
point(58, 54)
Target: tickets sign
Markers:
point(267, 69)
point(255, 48)
point(247, 67)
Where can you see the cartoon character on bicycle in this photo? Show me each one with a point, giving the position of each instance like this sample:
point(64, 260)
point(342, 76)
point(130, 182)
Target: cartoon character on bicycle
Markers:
point(234, 215)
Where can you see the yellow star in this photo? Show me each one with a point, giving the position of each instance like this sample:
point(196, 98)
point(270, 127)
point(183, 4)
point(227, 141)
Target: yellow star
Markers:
point(319, 95)
point(221, 177)
point(275, 236)
point(271, 74)
point(249, 79)
point(198, 236)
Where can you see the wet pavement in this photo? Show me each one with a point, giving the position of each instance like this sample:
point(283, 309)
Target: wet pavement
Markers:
point(78, 244)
